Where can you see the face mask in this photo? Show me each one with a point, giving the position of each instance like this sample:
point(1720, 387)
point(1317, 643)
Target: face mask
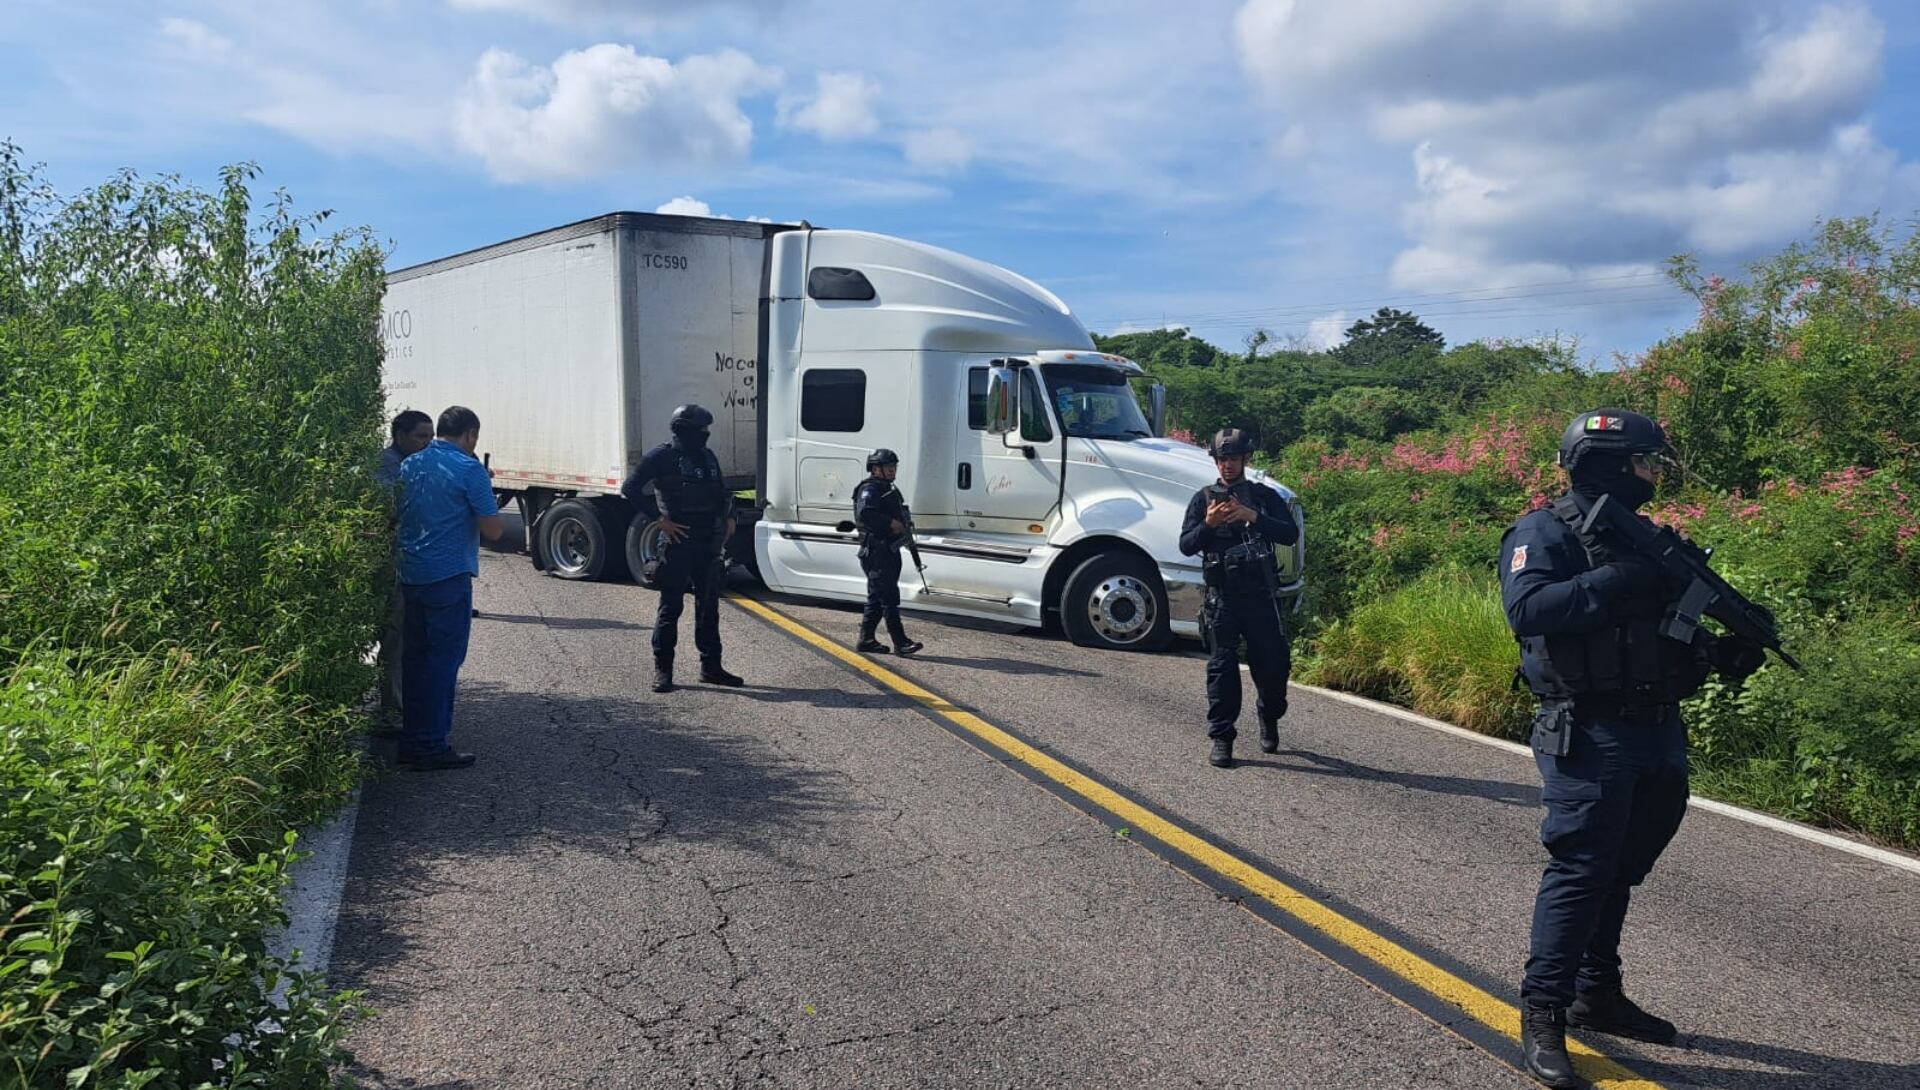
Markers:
point(692, 440)
point(1599, 474)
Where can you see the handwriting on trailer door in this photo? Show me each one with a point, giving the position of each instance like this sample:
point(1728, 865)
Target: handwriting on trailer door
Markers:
point(745, 371)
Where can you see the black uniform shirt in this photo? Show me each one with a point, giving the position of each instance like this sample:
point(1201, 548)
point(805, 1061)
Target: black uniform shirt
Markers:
point(1274, 522)
point(876, 504)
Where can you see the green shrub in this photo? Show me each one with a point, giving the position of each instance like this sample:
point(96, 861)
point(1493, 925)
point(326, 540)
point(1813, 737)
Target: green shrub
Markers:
point(142, 848)
point(193, 561)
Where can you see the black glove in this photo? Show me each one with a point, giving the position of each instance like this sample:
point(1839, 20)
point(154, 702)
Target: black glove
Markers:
point(1637, 579)
point(1736, 657)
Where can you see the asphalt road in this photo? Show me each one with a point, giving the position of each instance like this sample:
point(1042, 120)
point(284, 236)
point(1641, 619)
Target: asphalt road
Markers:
point(817, 881)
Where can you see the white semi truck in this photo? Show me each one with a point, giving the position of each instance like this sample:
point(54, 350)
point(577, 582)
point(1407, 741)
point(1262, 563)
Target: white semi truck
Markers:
point(1041, 492)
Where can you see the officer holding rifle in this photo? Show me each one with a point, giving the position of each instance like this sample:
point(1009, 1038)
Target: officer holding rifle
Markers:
point(880, 513)
point(1234, 525)
point(1606, 606)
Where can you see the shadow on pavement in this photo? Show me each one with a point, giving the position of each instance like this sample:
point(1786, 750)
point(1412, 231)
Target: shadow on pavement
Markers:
point(1792, 1069)
point(573, 623)
point(1500, 791)
point(997, 666)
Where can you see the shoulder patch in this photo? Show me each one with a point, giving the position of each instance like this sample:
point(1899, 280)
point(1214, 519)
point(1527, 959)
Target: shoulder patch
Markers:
point(1519, 558)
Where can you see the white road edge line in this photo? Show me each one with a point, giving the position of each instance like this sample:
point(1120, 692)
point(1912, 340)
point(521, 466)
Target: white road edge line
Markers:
point(1738, 813)
point(314, 890)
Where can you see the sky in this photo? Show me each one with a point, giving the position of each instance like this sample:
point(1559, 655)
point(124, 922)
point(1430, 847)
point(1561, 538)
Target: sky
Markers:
point(1504, 168)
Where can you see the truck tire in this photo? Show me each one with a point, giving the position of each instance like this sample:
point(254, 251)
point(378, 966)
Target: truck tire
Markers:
point(1115, 601)
point(642, 544)
point(575, 542)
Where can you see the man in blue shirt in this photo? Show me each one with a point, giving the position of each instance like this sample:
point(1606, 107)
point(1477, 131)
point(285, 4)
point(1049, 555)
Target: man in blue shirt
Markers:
point(411, 431)
point(446, 507)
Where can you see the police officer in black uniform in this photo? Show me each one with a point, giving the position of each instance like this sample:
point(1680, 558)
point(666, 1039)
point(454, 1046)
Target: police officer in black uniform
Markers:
point(1608, 739)
point(880, 511)
point(1234, 525)
point(695, 513)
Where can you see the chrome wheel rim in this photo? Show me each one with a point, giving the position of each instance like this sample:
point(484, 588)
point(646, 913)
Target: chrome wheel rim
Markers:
point(570, 545)
point(1122, 609)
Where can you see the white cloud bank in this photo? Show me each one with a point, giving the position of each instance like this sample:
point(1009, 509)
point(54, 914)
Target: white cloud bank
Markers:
point(1557, 138)
point(840, 108)
point(607, 107)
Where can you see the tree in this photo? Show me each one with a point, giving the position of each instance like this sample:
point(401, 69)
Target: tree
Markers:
point(1160, 348)
point(1388, 336)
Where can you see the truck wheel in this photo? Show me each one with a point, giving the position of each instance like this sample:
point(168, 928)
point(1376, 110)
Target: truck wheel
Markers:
point(575, 541)
point(643, 544)
point(1115, 601)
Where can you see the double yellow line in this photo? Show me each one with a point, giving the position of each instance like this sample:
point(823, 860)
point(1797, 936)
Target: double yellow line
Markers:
point(1402, 964)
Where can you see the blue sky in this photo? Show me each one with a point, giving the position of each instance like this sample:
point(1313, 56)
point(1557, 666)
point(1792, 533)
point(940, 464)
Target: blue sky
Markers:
point(1506, 168)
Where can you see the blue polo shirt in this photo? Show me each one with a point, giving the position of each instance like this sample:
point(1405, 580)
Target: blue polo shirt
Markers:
point(443, 491)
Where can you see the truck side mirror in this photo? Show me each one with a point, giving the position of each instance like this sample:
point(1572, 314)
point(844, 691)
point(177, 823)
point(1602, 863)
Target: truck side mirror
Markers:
point(1157, 409)
point(1003, 400)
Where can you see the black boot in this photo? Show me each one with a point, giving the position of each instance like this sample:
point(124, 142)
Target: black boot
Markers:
point(713, 673)
point(1543, 1047)
point(1608, 1010)
point(867, 643)
point(898, 633)
point(662, 675)
point(1269, 736)
point(1222, 755)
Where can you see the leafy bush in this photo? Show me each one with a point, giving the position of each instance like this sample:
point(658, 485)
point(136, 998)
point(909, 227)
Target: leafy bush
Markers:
point(194, 560)
point(142, 848)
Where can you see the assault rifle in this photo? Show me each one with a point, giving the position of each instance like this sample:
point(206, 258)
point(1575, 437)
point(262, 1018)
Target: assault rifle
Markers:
point(1684, 562)
point(906, 519)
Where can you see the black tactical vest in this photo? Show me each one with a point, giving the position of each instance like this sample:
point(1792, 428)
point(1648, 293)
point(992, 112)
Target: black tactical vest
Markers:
point(691, 489)
point(1631, 662)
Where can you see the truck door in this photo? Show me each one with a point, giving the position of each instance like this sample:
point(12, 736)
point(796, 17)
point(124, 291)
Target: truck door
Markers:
point(1006, 484)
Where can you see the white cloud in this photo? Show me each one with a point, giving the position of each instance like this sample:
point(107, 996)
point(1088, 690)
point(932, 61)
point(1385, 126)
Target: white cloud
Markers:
point(938, 150)
point(1555, 139)
point(196, 40)
point(607, 107)
point(685, 206)
point(1328, 331)
point(840, 108)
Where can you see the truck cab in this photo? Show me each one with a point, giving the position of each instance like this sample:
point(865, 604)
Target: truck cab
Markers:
point(1041, 492)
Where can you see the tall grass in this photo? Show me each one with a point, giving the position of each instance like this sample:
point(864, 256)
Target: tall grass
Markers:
point(1439, 645)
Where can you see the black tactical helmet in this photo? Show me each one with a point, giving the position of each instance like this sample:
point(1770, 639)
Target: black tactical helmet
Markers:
point(882, 457)
point(1616, 430)
point(1231, 442)
point(690, 418)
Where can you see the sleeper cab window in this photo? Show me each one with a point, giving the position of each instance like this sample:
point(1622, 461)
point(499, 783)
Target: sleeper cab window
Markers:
point(833, 399)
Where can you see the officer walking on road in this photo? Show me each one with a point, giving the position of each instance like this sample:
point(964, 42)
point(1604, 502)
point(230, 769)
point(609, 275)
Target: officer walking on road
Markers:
point(695, 514)
point(1608, 739)
point(1234, 525)
point(881, 513)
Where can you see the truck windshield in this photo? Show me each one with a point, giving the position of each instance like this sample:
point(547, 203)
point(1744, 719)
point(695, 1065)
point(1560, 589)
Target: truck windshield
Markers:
point(1095, 402)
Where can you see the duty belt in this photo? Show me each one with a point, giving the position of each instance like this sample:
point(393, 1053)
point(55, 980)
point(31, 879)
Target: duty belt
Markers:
point(1602, 708)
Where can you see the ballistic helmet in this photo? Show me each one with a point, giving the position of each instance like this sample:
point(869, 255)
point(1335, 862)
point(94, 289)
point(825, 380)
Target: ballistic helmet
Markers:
point(688, 418)
point(882, 457)
point(1231, 442)
point(1617, 431)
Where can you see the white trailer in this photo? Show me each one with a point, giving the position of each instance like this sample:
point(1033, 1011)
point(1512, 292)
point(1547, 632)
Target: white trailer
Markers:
point(1041, 492)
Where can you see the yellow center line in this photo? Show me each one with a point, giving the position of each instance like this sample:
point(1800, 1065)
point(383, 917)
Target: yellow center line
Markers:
point(1480, 1005)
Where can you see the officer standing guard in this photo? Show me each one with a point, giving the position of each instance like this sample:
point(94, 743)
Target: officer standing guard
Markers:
point(880, 511)
point(695, 513)
point(1608, 739)
point(1234, 525)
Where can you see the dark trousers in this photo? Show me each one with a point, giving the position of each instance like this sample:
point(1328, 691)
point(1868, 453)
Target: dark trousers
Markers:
point(439, 620)
point(882, 566)
point(1252, 616)
point(1613, 803)
point(692, 565)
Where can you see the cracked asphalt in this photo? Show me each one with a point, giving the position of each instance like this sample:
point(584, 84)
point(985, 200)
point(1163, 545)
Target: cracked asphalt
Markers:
point(810, 882)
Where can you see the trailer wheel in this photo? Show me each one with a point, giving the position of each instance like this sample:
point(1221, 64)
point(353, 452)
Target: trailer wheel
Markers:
point(1115, 601)
point(643, 544)
point(575, 541)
